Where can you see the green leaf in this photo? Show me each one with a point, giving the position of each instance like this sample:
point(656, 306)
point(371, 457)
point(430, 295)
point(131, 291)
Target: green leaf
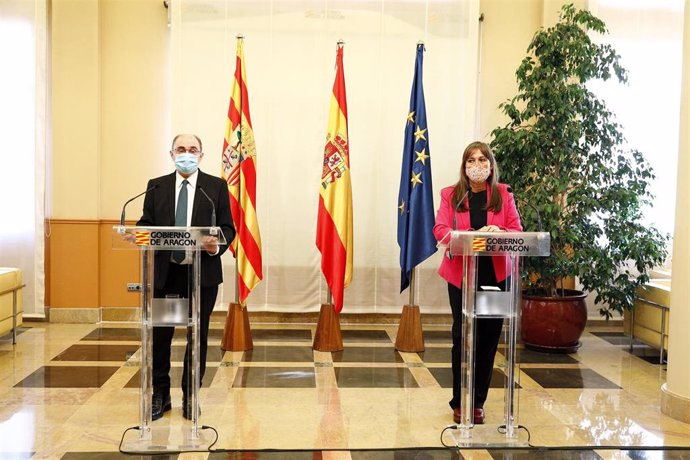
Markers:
point(563, 152)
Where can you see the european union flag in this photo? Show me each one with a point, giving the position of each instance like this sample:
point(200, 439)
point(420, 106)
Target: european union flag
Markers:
point(415, 199)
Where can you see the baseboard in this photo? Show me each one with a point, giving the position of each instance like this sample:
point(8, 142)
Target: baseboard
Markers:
point(605, 323)
point(132, 314)
point(675, 406)
point(120, 314)
point(73, 315)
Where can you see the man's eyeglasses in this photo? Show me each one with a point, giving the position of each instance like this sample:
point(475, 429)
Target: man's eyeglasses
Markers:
point(192, 150)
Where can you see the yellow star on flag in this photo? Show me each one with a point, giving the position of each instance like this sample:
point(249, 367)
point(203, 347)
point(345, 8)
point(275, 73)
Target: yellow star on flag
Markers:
point(410, 117)
point(421, 156)
point(415, 179)
point(419, 134)
point(402, 207)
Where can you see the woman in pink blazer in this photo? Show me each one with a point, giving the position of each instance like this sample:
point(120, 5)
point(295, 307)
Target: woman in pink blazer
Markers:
point(476, 202)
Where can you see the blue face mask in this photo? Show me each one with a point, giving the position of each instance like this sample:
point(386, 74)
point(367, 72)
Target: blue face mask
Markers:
point(186, 163)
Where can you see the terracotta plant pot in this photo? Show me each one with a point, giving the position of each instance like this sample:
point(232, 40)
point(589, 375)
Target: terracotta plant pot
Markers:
point(554, 324)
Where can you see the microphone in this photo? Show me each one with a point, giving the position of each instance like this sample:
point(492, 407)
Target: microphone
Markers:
point(213, 206)
point(122, 216)
point(539, 226)
point(455, 217)
point(457, 208)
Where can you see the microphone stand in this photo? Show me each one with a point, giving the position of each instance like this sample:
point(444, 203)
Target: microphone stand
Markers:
point(121, 230)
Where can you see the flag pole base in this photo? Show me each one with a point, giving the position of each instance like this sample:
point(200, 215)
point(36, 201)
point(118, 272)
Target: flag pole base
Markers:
point(237, 335)
point(410, 338)
point(328, 336)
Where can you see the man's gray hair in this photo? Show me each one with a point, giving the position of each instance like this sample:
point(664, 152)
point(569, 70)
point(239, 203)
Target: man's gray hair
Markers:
point(172, 147)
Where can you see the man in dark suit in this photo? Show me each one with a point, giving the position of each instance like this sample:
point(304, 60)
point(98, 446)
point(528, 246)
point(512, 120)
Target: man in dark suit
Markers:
point(178, 199)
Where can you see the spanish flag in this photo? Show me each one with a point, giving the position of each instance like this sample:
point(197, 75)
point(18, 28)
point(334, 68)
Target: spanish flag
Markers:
point(334, 227)
point(239, 171)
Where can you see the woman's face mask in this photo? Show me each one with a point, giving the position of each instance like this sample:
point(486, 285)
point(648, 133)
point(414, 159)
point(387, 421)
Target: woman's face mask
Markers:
point(478, 173)
point(477, 167)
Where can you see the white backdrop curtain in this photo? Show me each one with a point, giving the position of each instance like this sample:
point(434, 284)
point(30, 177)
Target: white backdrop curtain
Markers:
point(290, 54)
point(22, 188)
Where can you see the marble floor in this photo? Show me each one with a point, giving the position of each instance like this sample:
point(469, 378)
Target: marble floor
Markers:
point(69, 391)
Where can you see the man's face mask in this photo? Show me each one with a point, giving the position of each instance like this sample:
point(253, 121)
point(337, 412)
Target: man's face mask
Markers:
point(186, 163)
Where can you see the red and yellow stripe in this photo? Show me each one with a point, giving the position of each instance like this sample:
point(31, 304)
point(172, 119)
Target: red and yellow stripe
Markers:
point(239, 171)
point(478, 244)
point(142, 238)
point(334, 229)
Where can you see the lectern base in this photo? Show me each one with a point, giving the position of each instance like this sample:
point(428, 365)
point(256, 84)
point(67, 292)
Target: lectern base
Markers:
point(167, 439)
point(410, 338)
point(237, 335)
point(487, 436)
point(328, 336)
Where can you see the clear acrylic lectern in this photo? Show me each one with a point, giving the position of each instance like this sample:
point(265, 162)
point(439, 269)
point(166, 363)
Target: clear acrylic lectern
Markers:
point(166, 312)
point(478, 302)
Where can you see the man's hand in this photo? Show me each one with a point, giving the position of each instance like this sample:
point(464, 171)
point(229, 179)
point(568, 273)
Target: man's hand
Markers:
point(129, 237)
point(210, 244)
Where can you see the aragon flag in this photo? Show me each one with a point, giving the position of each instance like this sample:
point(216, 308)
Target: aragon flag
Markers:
point(334, 227)
point(415, 198)
point(239, 171)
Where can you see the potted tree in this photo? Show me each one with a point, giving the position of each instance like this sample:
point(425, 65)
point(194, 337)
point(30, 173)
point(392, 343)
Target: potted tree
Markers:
point(565, 157)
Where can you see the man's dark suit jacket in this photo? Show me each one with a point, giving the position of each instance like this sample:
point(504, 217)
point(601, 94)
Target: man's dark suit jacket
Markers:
point(159, 211)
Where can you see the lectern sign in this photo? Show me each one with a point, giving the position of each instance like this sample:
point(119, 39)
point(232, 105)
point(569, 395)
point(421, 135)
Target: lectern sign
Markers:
point(172, 239)
point(500, 243)
point(168, 238)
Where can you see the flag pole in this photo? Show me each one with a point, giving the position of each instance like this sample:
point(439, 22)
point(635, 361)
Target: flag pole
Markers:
point(239, 186)
point(410, 337)
point(237, 335)
point(327, 336)
point(237, 282)
point(412, 286)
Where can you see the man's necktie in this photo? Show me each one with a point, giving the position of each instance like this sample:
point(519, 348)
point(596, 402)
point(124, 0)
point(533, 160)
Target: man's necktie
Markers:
point(181, 218)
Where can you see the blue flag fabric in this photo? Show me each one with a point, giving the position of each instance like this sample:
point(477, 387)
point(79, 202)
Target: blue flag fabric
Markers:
point(415, 199)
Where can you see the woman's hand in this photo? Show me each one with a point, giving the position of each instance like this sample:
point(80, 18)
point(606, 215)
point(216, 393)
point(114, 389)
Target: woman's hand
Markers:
point(489, 228)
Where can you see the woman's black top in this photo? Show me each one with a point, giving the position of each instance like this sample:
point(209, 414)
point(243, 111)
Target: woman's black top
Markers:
point(486, 275)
